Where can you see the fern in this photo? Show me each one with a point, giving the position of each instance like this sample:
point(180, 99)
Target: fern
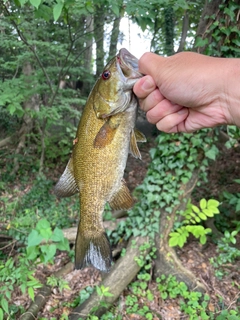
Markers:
point(193, 215)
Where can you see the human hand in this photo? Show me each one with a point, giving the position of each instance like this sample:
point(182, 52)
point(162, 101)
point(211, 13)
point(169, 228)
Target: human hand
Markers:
point(189, 91)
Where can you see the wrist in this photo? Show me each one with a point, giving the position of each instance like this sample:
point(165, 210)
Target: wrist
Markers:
point(231, 92)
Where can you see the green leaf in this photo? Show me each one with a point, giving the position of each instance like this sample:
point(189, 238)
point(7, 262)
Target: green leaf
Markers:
point(214, 209)
point(34, 238)
point(48, 252)
point(4, 305)
point(212, 152)
point(57, 235)
point(195, 208)
point(1, 314)
point(201, 42)
point(203, 239)
point(202, 216)
point(173, 241)
point(213, 203)
point(32, 252)
point(115, 9)
point(63, 245)
point(43, 224)
point(164, 295)
point(35, 3)
point(208, 212)
point(203, 204)
point(99, 291)
point(57, 10)
point(31, 293)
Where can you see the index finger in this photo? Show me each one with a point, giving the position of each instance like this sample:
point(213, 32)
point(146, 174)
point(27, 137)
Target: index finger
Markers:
point(150, 63)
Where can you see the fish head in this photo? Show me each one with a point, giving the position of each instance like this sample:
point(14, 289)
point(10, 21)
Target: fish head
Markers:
point(113, 90)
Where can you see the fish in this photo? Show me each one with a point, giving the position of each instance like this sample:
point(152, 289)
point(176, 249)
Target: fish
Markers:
point(105, 136)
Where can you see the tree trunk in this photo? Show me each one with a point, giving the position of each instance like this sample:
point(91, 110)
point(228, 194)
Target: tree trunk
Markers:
point(114, 38)
point(31, 103)
point(167, 261)
point(99, 37)
point(184, 32)
point(169, 30)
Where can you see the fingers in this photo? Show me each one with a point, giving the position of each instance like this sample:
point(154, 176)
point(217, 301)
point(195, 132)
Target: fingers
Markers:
point(161, 110)
point(174, 122)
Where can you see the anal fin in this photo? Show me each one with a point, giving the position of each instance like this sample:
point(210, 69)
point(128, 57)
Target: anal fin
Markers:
point(66, 185)
point(122, 199)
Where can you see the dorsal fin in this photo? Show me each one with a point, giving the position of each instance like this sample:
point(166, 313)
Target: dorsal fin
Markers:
point(66, 185)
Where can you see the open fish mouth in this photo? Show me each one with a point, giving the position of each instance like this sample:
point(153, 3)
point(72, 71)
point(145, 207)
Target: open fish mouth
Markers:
point(128, 64)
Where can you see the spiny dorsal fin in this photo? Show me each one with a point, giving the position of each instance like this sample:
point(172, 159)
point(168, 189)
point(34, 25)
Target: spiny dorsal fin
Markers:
point(122, 199)
point(66, 185)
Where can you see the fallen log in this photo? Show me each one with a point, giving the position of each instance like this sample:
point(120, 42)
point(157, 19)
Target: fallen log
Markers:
point(43, 295)
point(121, 274)
point(71, 233)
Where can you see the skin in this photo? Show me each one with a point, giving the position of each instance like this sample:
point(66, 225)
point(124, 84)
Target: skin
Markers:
point(189, 91)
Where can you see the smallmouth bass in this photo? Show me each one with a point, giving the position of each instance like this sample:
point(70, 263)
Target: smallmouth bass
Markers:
point(106, 134)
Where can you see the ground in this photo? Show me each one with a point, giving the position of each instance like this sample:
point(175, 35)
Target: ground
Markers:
point(194, 256)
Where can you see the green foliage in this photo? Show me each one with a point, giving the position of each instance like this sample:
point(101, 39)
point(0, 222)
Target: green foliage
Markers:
point(233, 133)
point(58, 282)
point(193, 303)
point(222, 36)
point(140, 290)
point(16, 274)
point(192, 216)
point(21, 210)
point(174, 159)
point(233, 199)
point(164, 19)
point(54, 240)
point(103, 291)
point(227, 252)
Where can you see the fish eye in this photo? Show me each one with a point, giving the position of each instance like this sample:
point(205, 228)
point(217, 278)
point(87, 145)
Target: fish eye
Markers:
point(106, 74)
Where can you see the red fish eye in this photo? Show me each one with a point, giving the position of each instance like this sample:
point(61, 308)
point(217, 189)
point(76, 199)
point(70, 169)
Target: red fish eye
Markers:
point(106, 74)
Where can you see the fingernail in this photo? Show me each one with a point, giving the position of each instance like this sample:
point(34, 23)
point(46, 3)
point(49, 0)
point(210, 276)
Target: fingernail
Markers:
point(182, 111)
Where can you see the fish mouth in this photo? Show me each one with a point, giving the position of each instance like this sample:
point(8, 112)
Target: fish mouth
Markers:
point(128, 64)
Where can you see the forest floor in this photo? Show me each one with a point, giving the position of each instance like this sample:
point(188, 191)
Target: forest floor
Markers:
point(224, 292)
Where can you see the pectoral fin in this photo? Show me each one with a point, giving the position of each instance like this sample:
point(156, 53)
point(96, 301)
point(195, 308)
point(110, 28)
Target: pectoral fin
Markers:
point(66, 185)
point(122, 199)
point(133, 146)
point(140, 137)
point(107, 132)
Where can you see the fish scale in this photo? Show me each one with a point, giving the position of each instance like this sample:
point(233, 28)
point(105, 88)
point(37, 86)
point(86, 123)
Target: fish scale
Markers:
point(106, 134)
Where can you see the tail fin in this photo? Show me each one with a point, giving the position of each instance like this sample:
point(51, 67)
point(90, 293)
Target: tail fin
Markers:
point(95, 251)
